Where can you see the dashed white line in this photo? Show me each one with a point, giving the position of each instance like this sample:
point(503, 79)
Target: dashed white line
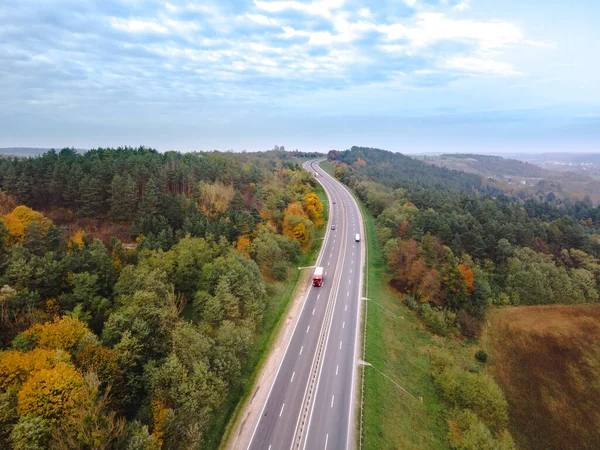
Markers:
point(343, 324)
point(350, 271)
point(313, 313)
point(340, 345)
point(281, 412)
point(308, 329)
point(318, 296)
point(332, 398)
point(326, 439)
point(293, 376)
point(269, 447)
point(329, 263)
point(346, 308)
point(337, 368)
point(348, 294)
point(301, 348)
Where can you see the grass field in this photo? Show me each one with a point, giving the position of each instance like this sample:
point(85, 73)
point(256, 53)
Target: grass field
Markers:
point(547, 360)
point(279, 296)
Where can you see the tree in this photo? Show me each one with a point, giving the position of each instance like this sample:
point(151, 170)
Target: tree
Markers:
point(51, 393)
point(90, 424)
point(91, 197)
point(123, 198)
point(20, 219)
point(314, 208)
point(31, 433)
point(64, 333)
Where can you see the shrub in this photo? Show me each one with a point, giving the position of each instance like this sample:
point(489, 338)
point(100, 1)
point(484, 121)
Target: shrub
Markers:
point(440, 321)
point(467, 432)
point(481, 356)
point(474, 391)
point(411, 303)
point(470, 326)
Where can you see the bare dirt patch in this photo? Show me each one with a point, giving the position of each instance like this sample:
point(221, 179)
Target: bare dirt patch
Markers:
point(547, 360)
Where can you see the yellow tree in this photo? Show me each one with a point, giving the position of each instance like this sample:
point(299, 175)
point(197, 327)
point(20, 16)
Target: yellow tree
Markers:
point(16, 366)
point(313, 208)
point(22, 217)
point(51, 393)
point(64, 333)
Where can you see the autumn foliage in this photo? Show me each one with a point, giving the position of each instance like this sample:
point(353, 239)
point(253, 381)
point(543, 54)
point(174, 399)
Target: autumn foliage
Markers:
point(314, 208)
point(64, 333)
point(20, 219)
point(50, 393)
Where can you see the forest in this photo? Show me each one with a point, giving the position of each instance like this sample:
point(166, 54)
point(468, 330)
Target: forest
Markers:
point(133, 338)
point(454, 248)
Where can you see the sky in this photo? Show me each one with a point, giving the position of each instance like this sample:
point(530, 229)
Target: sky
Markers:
point(488, 76)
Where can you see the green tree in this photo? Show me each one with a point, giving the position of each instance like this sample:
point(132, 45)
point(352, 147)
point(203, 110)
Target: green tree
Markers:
point(123, 198)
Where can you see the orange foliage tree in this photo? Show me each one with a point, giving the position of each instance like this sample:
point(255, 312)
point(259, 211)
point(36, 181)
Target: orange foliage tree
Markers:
point(104, 363)
point(468, 278)
point(50, 393)
point(22, 217)
point(242, 246)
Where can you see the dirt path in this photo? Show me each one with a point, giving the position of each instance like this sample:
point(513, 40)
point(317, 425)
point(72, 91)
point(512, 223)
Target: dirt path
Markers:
point(244, 427)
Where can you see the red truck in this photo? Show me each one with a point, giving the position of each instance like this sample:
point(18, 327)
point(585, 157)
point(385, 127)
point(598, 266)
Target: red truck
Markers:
point(318, 276)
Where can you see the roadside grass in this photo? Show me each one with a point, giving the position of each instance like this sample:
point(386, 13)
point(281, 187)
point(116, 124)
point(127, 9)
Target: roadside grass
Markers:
point(278, 302)
point(398, 346)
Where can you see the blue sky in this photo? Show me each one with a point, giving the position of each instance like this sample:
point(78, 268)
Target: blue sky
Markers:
point(405, 75)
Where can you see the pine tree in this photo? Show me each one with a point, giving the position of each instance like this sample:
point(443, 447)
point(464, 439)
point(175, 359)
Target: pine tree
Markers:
point(123, 198)
point(90, 192)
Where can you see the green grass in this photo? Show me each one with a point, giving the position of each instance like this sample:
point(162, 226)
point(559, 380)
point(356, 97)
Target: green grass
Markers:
point(279, 296)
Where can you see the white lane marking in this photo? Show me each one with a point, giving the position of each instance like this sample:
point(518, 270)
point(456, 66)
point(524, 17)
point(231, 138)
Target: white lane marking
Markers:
point(348, 294)
point(313, 313)
point(352, 262)
point(330, 254)
point(293, 376)
point(318, 296)
point(269, 447)
point(346, 308)
point(350, 271)
point(343, 324)
point(340, 345)
point(325, 272)
point(301, 348)
point(308, 329)
point(332, 398)
point(281, 412)
point(349, 281)
point(328, 263)
point(326, 439)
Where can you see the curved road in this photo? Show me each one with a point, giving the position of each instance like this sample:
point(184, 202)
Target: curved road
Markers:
point(311, 403)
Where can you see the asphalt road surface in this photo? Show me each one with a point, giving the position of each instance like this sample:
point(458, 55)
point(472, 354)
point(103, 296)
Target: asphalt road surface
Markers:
point(311, 403)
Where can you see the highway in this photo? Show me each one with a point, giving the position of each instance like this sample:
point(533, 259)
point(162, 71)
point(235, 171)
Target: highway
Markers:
point(311, 403)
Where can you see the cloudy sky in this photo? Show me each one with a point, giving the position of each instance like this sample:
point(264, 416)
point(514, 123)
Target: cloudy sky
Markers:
point(405, 75)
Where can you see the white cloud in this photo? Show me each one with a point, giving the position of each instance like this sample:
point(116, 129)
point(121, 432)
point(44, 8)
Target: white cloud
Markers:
point(322, 8)
point(262, 20)
point(462, 6)
point(480, 65)
point(431, 28)
point(138, 26)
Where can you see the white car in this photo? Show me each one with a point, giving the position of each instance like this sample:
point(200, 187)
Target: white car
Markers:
point(357, 237)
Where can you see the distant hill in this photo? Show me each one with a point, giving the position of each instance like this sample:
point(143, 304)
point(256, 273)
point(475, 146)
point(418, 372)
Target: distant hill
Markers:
point(24, 152)
point(487, 165)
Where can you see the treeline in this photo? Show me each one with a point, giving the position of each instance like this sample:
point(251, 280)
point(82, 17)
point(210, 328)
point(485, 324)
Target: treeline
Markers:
point(456, 249)
point(138, 347)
